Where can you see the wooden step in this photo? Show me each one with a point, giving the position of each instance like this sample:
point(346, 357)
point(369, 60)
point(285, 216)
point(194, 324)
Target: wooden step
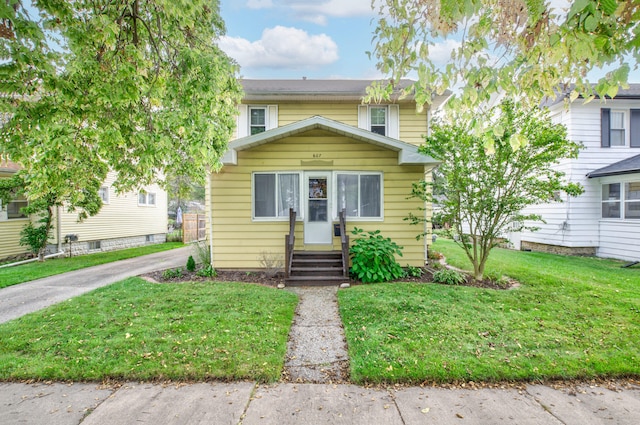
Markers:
point(315, 280)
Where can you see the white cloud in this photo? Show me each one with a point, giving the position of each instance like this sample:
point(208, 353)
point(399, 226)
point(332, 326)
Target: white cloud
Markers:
point(440, 52)
point(282, 47)
point(259, 4)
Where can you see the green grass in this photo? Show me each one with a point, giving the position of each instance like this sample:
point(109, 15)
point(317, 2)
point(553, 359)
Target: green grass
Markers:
point(136, 330)
point(36, 270)
point(571, 318)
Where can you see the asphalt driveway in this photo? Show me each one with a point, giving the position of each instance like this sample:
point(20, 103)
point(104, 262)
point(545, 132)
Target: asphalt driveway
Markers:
point(24, 298)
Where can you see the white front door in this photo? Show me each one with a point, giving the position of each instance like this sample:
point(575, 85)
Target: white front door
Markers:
point(317, 219)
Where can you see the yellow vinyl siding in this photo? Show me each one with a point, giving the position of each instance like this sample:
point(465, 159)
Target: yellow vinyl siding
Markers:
point(10, 237)
point(122, 217)
point(413, 125)
point(239, 241)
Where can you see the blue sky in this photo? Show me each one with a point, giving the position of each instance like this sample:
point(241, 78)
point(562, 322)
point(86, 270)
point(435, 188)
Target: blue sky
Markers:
point(314, 38)
point(298, 38)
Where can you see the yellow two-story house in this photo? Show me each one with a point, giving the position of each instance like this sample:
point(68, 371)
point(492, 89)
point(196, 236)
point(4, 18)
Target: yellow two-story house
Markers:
point(312, 146)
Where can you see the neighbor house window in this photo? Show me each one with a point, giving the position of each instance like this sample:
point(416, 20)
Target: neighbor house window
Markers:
point(632, 200)
point(104, 194)
point(360, 194)
point(14, 208)
point(617, 129)
point(378, 120)
point(257, 120)
point(620, 128)
point(147, 198)
point(611, 200)
point(275, 193)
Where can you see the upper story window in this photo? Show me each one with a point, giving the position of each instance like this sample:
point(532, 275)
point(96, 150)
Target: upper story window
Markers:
point(146, 198)
point(103, 193)
point(380, 119)
point(257, 120)
point(620, 128)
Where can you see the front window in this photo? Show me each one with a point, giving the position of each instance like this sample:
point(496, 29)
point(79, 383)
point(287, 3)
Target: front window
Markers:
point(275, 193)
point(378, 120)
point(617, 130)
point(258, 120)
point(360, 194)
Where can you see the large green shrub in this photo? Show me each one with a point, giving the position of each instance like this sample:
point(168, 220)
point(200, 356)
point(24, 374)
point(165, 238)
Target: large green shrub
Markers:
point(373, 257)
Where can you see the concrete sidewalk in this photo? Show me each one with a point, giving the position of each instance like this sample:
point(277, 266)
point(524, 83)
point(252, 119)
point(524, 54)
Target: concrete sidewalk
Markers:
point(248, 403)
point(24, 298)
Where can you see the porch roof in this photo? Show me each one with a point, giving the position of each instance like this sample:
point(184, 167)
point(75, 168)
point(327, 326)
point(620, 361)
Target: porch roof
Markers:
point(407, 153)
point(626, 166)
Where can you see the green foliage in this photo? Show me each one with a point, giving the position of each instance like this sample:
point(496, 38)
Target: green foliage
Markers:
point(504, 47)
point(373, 257)
point(172, 273)
point(448, 277)
point(413, 271)
point(207, 271)
point(203, 252)
point(138, 88)
point(488, 182)
point(36, 237)
point(191, 264)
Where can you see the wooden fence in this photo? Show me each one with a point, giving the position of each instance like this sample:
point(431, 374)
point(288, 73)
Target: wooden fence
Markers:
point(193, 227)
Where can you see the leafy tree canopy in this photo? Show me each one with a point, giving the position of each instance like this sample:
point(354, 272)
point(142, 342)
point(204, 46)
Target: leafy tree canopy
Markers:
point(524, 48)
point(488, 188)
point(134, 86)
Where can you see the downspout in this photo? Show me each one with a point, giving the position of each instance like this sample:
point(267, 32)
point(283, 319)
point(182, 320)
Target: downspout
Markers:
point(59, 229)
point(210, 217)
point(426, 224)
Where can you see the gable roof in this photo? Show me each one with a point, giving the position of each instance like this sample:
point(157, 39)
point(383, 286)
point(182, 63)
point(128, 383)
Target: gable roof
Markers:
point(323, 90)
point(626, 166)
point(407, 154)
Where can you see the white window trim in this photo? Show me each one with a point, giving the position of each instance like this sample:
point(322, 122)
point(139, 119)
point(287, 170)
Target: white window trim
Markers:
point(146, 199)
point(5, 211)
point(358, 173)
point(299, 215)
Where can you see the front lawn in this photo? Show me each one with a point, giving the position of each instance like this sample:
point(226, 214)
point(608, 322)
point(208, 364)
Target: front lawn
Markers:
point(36, 270)
point(571, 318)
point(136, 330)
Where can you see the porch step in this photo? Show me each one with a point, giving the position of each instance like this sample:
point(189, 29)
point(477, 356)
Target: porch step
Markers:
point(316, 268)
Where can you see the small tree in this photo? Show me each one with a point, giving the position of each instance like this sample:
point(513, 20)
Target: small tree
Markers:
point(489, 182)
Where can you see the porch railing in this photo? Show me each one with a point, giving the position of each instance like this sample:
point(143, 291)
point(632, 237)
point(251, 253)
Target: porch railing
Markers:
point(344, 240)
point(289, 242)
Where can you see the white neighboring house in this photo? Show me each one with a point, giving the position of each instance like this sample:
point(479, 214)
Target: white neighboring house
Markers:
point(125, 220)
point(605, 219)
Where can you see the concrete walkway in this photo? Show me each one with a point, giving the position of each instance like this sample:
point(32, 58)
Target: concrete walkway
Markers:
point(247, 403)
point(316, 350)
point(18, 300)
